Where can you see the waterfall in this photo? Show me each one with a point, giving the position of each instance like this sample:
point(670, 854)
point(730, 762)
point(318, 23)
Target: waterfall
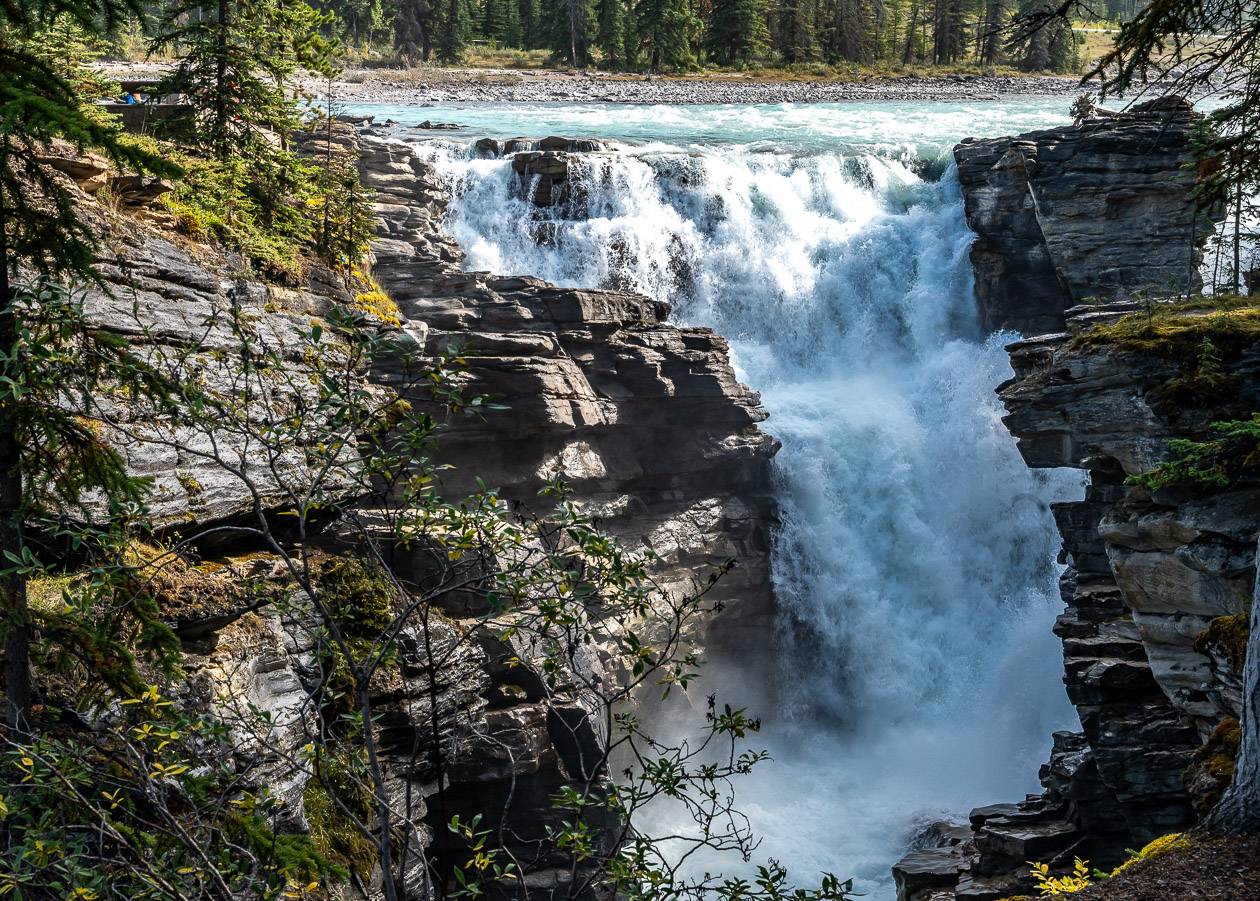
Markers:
point(914, 565)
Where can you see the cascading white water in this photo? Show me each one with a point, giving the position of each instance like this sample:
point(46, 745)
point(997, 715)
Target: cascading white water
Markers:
point(915, 562)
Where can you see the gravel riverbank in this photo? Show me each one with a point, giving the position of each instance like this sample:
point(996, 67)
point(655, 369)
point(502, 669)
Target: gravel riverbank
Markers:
point(407, 87)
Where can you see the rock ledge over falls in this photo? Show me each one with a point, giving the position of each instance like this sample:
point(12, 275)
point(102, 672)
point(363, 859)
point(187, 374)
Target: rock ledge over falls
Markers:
point(1152, 577)
point(644, 420)
point(1097, 210)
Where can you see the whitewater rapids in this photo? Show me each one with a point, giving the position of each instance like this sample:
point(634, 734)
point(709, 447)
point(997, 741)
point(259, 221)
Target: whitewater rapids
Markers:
point(915, 562)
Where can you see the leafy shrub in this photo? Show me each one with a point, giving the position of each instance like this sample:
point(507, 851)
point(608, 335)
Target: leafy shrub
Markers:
point(1174, 841)
point(1049, 885)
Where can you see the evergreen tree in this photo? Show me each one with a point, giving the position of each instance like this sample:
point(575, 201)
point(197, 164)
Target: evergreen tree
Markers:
point(501, 23)
point(454, 29)
point(571, 30)
point(737, 31)
point(666, 29)
point(995, 12)
point(1050, 46)
point(238, 58)
point(533, 24)
point(795, 32)
point(413, 30)
point(41, 101)
point(615, 37)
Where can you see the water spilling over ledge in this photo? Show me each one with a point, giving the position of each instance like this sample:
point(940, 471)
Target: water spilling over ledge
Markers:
point(913, 567)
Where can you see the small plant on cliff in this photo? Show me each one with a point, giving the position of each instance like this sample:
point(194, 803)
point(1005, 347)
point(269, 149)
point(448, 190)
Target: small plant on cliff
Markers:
point(1215, 464)
point(1049, 885)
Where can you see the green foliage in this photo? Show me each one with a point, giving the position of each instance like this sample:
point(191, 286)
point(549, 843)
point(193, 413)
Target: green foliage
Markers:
point(667, 31)
point(737, 32)
point(339, 810)
point(570, 27)
point(45, 96)
point(259, 207)
point(237, 59)
point(1219, 463)
point(615, 37)
point(120, 778)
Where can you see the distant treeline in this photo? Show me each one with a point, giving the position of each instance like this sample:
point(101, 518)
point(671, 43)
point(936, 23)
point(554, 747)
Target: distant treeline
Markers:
point(674, 35)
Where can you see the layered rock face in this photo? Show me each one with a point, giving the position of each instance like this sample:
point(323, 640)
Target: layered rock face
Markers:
point(1102, 210)
point(1097, 210)
point(644, 420)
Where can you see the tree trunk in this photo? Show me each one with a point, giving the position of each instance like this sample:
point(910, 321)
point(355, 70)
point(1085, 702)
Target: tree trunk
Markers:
point(1239, 810)
point(13, 607)
point(220, 84)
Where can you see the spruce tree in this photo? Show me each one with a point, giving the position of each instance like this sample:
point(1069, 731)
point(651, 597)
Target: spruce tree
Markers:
point(454, 28)
point(238, 58)
point(570, 26)
point(737, 31)
point(42, 234)
point(615, 37)
point(796, 37)
point(666, 29)
point(413, 30)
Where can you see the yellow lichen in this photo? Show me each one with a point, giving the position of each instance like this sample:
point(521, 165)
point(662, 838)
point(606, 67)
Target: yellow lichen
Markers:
point(46, 594)
point(1229, 634)
point(375, 302)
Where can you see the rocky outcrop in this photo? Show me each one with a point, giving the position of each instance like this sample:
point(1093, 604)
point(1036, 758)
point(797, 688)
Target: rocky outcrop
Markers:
point(644, 420)
point(1148, 573)
point(1154, 580)
point(1096, 210)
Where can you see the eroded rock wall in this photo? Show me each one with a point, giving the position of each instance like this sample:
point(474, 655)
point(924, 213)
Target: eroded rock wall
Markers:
point(643, 419)
point(1100, 209)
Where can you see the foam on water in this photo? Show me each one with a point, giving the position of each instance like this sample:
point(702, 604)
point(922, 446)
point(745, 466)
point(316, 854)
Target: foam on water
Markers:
point(915, 561)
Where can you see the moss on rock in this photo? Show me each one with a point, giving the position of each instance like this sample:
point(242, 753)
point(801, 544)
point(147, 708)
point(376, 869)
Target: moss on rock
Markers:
point(333, 800)
point(1212, 770)
point(1227, 636)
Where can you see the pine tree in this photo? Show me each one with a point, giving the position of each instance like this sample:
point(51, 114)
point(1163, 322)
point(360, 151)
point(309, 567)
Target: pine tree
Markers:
point(238, 57)
point(991, 32)
point(533, 25)
point(453, 27)
point(737, 31)
point(1050, 46)
point(413, 30)
point(570, 30)
point(41, 101)
point(501, 22)
point(795, 31)
point(615, 35)
point(666, 29)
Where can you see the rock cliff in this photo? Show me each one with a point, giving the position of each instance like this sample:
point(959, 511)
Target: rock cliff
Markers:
point(644, 420)
point(1099, 210)
point(1153, 580)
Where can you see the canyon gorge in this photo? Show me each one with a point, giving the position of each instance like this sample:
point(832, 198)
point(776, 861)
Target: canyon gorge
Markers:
point(949, 415)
